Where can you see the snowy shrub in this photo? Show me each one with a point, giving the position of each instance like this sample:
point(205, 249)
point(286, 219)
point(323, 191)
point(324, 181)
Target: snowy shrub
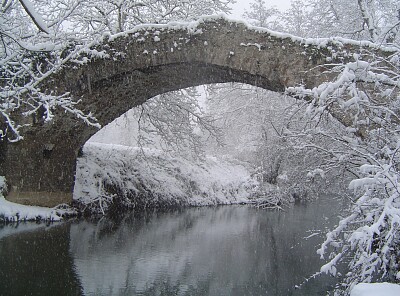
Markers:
point(3, 185)
point(368, 238)
point(110, 177)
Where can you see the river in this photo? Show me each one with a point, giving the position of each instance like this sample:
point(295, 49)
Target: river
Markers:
point(226, 250)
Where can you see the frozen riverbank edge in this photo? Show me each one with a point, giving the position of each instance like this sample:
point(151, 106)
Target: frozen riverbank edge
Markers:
point(375, 289)
point(14, 212)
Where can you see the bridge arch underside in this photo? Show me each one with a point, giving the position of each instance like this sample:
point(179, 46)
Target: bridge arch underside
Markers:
point(42, 166)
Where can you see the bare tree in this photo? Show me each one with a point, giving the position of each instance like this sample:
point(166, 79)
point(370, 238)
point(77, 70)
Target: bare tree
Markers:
point(260, 15)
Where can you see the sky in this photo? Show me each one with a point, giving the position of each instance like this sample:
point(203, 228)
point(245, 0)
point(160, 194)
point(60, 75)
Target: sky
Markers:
point(241, 5)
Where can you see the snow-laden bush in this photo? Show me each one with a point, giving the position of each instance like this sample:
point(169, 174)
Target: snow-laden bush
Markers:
point(367, 239)
point(3, 185)
point(113, 176)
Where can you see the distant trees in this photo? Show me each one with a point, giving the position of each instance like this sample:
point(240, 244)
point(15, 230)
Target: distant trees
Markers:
point(255, 125)
point(260, 15)
point(97, 17)
point(374, 20)
point(174, 122)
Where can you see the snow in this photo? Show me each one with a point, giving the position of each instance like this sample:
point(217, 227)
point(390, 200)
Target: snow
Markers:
point(38, 20)
point(14, 212)
point(251, 44)
point(375, 289)
point(157, 177)
point(193, 28)
point(3, 185)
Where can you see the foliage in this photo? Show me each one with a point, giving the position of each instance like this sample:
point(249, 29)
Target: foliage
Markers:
point(96, 17)
point(27, 58)
point(374, 20)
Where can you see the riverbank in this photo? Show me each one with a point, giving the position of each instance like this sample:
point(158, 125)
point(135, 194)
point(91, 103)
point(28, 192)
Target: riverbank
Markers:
point(11, 211)
point(14, 212)
point(110, 177)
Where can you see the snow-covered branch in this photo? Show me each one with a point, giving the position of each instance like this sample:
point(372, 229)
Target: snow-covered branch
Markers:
point(36, 18)
point(368, 89)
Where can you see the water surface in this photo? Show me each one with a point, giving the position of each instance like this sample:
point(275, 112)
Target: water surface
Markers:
point(229, 250)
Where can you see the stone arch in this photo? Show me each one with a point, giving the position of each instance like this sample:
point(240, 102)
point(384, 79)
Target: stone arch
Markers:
point(124, 71)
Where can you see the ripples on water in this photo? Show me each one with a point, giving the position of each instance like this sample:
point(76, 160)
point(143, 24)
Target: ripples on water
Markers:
point(229, 250)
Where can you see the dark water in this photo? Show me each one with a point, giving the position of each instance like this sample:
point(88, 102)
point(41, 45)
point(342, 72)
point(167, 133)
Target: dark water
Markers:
point(230, 250)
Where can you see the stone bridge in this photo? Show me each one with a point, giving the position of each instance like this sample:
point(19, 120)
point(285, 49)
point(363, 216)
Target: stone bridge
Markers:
point(124, 71)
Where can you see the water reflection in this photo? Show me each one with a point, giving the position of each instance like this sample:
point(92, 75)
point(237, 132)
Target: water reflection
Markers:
point(229, 250)
point(201, 251)
point(35, 260)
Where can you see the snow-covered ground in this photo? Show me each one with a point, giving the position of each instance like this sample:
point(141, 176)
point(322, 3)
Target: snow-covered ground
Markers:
point(133, 176)
point(10, 211)
point(376, 289)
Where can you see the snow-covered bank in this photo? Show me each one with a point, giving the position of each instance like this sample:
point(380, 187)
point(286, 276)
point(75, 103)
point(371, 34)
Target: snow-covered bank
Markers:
point(109, 174)
point(13, 212)
point(376, 289)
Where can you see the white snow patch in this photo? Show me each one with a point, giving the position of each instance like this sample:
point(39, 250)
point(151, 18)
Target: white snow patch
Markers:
point(251, 44)
point(375, 289)
point(10, 211)
point(3, 185)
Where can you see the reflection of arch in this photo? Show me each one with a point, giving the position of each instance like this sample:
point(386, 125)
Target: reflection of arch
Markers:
point(148, 61)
